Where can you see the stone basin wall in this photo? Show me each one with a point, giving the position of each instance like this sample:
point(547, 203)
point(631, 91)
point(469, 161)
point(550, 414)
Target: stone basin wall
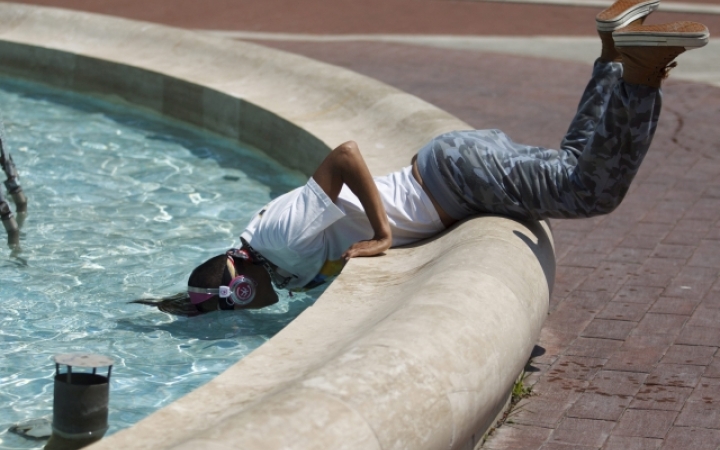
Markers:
point(417, 349)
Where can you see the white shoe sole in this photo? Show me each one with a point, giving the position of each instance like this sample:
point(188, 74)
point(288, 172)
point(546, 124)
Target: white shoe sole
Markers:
point(630, 15)
point(688, 40)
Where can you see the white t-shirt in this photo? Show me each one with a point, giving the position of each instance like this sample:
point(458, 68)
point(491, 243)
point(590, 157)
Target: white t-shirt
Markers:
point(304, 233)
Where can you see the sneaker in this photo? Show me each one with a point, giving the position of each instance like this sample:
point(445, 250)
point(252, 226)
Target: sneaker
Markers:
point(623, 13)
point(648, 51)
point(675, 34)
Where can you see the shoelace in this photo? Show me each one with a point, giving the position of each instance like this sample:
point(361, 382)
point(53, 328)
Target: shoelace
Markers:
point(667, 68)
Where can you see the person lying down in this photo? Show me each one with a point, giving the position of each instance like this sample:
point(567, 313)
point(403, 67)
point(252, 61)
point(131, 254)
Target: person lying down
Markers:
point(305, 236)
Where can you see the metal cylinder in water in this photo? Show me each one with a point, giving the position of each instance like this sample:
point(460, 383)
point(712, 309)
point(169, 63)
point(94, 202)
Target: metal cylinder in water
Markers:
point(80, 405)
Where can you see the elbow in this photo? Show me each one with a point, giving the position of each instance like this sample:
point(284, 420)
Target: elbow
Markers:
point(347, 148)
point(346, 154)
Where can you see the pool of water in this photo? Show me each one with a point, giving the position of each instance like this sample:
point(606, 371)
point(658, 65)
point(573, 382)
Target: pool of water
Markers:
point(122, 205)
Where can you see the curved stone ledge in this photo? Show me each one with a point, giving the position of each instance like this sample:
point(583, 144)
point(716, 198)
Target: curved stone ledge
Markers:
point(416, 349)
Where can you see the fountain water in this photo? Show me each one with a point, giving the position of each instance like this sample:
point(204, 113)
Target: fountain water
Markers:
point(123, 203)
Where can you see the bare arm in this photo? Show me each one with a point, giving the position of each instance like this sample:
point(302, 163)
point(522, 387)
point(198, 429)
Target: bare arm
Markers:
point(345, 165)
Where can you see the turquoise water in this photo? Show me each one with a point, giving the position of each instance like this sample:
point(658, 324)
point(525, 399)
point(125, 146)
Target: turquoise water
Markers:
point(122, 205)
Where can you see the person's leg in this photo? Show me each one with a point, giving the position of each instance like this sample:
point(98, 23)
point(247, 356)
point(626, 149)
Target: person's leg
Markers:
point(532, 183)
point(8, 221)
point(483, 171)
point(607, 70)
point(622, 137)
point(592, 106)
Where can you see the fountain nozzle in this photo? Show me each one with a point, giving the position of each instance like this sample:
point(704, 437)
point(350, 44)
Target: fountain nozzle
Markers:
point(80, 405)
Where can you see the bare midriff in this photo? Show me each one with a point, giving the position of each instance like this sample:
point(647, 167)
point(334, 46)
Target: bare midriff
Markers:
point(444, 217)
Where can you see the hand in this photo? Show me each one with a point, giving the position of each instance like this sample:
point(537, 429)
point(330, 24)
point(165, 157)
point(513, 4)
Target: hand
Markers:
point(370, 247)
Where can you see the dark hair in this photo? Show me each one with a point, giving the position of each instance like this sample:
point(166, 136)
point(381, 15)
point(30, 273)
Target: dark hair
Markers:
point(207, 275)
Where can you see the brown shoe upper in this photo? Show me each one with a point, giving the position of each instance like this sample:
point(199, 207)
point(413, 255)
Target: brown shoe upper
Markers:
point(648, 65)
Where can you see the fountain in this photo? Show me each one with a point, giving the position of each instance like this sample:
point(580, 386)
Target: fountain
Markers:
point(417, 349)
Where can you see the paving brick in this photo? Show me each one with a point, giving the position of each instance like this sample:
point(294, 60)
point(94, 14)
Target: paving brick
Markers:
point(544, 411)
point(699, 336)
point(609, 276)
point(713, 370)
point(666, 324)
point(711, 192)
point(568, 318)
point(593, 347)
point(608, 329)
point(705, 208)
point(699, 414)
point(669, 305)
point(599, 406)
point(575, 367)
point(689, 354)
point(517, 437)
point(705, 317)
point(568, 278)
point(624, 311)
point(616, 222)
point(685, 191)
point(695, 225)
point(610, 382)
point(638, 294)
point(687, 438)
point(712, 299)
point(673, 251)
point(645, 228)
point(661, 214)
point(655, 272)
point(632, 359)
point(628, 254)
point(646, 242)
point(691, 282)
point(587, 253)
point(707, 254)
point(714, 232)
point(682, 237)
point(645, 423)
point(707, 391)
point(632, 443)
point(675, 375)
point(634, 208)
point(587, 432)
point(552, 385)
point(669, 398)
point(641, 341)
point(702, 212)
point(561, 446)
point(593, 301)
point(553, 342)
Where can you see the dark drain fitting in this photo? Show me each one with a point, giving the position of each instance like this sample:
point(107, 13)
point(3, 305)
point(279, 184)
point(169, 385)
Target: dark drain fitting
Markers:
point(80, 405)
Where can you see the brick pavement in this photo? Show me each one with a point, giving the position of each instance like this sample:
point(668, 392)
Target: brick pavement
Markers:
point(456, 17)
point(628, 357)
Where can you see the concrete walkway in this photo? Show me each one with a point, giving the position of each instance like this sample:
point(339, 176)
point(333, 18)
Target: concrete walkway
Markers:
point(628, 358)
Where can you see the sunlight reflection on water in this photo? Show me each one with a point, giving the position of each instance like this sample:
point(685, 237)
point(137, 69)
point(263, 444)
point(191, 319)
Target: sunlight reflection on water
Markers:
point(122, 205)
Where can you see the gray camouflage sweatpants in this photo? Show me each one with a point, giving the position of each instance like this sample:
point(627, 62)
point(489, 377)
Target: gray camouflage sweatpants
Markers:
point(483, 171)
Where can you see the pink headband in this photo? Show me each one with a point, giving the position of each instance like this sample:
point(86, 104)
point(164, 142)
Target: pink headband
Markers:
point(199, 295)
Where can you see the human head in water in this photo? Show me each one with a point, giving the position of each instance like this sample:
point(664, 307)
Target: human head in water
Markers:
point(228, 281)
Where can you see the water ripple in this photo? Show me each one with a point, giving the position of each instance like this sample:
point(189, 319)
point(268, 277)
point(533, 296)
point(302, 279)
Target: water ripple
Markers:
point(122, 205)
